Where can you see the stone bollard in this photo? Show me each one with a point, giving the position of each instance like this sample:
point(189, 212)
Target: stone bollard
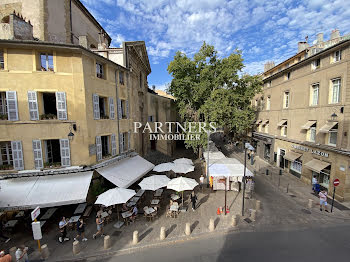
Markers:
point(258, 205)
point(211, 225)
point(162, 233)
point(188, 229)
point(107, 242)
point(76, 247)
point(13, 253)
point(135, 237)
point(253, 215)
point(45, 251)
point(310, 204)
point(234, 220)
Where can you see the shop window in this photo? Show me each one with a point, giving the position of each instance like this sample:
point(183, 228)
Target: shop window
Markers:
point(6, 161)
point(3, 106)
point(102, 102)
point(46, 62)
point(99, 70)
point(286, 97)
point(121, 77)
point(267, 151)
point(316, 64)
point(105, 146)
point(52, 152)
point(334, 91)
point(314, 94)
point(296, 166)
point(323, 177)
point(268, 103)
point(2, 62)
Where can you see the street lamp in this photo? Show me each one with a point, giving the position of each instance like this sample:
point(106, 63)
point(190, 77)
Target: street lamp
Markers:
point(249, 147)
point(208, 160)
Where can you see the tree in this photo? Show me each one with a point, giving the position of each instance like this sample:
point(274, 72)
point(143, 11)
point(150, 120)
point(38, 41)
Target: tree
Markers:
point(208, 88)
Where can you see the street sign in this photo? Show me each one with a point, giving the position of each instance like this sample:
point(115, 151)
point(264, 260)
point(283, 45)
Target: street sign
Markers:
point(336, 182)
point(36, 230)
point(35, 213)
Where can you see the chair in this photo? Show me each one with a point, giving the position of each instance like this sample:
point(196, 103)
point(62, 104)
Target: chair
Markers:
point(168, 212)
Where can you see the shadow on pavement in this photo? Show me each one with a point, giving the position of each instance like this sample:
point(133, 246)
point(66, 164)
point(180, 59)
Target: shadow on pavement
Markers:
point(144, 234)
point(194, 225)
point(171, 229)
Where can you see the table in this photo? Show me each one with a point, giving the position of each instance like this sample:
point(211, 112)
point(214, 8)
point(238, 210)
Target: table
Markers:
point(126, 214)
point(48, 214)
point(174, 197)
point(140, 193)
point(104, 214)
point(131, 204)
point(174, 208)
point(20, 214)
point(155, 201)
point(158, 193)
point(74, 219)
point(80, 208)
point(11, 224)
point(149, 211)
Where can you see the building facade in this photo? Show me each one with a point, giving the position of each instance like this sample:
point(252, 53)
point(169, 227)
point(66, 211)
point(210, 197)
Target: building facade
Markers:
point(303, 114)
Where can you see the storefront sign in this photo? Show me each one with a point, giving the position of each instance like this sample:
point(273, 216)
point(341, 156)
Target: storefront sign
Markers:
point(306, 149)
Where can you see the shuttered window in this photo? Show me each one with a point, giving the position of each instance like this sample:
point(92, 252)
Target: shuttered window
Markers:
point(61, 105)
point(127, 109)
point(96, 105)
point(65, 152)
point(129, 140)
point(98, 148)
point(33, 105)
point(17, 155)
point(111, 108)
point(38, 156)
point(12, 108)
point(2, 63)
point(120, 112)
point(114, 145)
point(121, 143)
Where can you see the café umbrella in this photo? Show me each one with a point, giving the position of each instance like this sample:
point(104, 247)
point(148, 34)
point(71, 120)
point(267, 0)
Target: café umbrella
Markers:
point(183, 161)
point(182, 168)
point(115, 196)
point(154, 182)
point(181, 184)
point(164, 167)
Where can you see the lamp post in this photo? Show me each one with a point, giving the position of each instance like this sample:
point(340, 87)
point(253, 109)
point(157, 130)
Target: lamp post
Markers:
point(250, 147)
point(208, 159)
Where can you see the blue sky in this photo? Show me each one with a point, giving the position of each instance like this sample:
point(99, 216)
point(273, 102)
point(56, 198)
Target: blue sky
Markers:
point(263, 30)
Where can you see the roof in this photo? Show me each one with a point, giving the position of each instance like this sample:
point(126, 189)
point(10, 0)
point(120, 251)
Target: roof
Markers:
point(143, 46)
point(164, 94)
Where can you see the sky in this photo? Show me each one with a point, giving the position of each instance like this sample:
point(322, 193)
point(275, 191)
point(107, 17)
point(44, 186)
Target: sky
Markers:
point(262, 30)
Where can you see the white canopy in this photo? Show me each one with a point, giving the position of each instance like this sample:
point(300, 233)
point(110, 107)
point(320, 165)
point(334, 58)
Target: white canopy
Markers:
point(182, 183)
point(164, 167)
point(126, 171)
point(44, 191)
point(183, 161)
point(213, 155)
point(228, 170)
point(115, 196)
point(154, 182)
point(182, 168)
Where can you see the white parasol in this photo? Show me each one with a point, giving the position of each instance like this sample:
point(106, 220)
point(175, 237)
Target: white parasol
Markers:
point(181, 184)
point(164, 167)
point(154, 182)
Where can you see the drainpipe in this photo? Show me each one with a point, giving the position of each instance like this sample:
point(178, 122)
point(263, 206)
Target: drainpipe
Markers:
point(71, 23)
point(116, 106)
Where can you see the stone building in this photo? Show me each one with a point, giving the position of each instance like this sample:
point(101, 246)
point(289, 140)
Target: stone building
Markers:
point(303, 113)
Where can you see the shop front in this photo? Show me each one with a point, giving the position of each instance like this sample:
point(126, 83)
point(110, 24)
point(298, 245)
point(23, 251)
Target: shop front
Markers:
point(264, 146)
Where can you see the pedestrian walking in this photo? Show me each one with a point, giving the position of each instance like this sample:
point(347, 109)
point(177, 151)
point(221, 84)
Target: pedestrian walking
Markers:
point(193, 200)
point(5, 238)
point(99, 225)
point(21, 254)
point(201, 182)
point(323, 200)
point(4, 257)
point(80, 230)
point(314, 182)
point(63, 230)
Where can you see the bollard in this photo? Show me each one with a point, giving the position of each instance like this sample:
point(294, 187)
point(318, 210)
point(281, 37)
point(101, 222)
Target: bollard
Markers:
point(267, 172)
point(287, 188)
point(135, 237)
point(76, 247)
point(211, 225)
point(13, 253)
point(253, 215)
point(310, 204)
point(107, 242)
point(257, 204)
point(45, 251)
point(234, 220)
point(188, 229)
point(162, 233)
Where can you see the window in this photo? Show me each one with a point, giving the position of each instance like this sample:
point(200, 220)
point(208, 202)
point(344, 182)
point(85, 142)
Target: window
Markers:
point(284, 128)
point(323, 177)
point(8, 106)
point(268, 84)
point(314, 94)
point(312, 133)
point(296, 166)
point(121, 77)
point(49, 106)
point(256, 103)
point(52, 152)
point(3, 106)
point(102, 102)
point(105, 146)
point(335, 91)
point(337, 56)
point(2, 63)
point(286, 99)
point(261, 103)
point(287, 76)
point(268, 103)
point(150, 118)
point(99, 70)
point(6, 160)
point(333, 133)
point(46, 62)
point(267, 128)
point(316, 64)
point(123, 108)
point(267, 151)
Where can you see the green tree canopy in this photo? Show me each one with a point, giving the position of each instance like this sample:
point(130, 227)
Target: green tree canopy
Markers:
point(209, 88)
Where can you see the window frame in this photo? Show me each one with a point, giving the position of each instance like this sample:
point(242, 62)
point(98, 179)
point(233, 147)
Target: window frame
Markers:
point(121, 77)
point(314, 66)
point(296, 166)
point(47, 60)
point(312, 134)
point(268, 103)
point(286, 102)
point(2, 60)
point(312, 88)
point(331, 90)
point(284, 131)
point(332, 131)
point(99, 70)
point(337, 58)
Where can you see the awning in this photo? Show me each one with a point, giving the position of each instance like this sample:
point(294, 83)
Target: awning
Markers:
point(282, 122)
point(317, 165)
point(292, 156)
point(44, 191)
point(308, 125)
point(258, 122)
point(327, 127)
point(228, 170)
point(264, 122)
point(127, 171)
point(213, 155)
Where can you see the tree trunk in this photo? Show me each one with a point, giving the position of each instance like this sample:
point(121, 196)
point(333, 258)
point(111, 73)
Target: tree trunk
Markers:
point(200, 151)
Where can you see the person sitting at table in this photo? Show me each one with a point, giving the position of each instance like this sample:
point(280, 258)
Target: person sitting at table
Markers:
point(125, 207)
point(63, 230)
point(134, 213)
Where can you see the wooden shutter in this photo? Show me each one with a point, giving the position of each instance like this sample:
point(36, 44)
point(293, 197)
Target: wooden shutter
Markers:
point(121, 147)
point(129, 140)
point(17, 155)
point(61, 105)
point(120, 113)
point(38, 155)
point(12, 108)
point(111, 108)
point(127, 108)
point(65, 152)
point(114, 145)
point(33, 105)
point(96, 106)
point(98, 148)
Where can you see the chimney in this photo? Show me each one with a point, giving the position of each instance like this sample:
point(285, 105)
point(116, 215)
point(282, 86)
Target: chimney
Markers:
point(153, 87)
point(319, 38)
point(335, 34)
point(83, 41)
point(302, 46)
